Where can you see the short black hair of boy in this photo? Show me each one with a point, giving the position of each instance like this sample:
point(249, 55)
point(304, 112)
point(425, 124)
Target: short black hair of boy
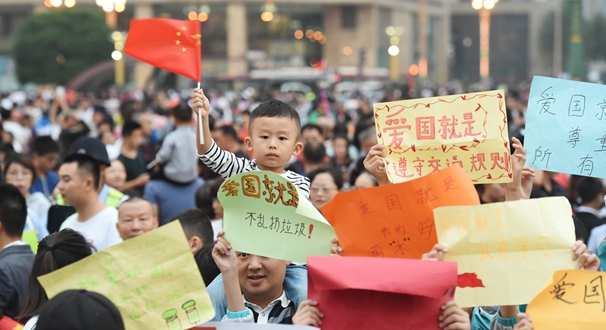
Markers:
point(129, 127)
point(13, 210)
point(196, 223)
point(182, 113)
point(87, 165)
point(275, 109)
point(44, 145)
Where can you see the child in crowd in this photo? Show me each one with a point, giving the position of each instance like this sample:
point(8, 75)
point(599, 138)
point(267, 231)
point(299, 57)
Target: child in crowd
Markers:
point(274, 129)
point(176, 154)
point(274, 134)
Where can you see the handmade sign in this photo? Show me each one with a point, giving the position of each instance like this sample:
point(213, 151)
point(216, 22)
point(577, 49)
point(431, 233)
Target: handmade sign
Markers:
point(566, 127)
point(505, 251)
point(422, 136)
point(153, 279)
point(396, 221)
point(573, 300)
point(408, 295)
point(263, 215)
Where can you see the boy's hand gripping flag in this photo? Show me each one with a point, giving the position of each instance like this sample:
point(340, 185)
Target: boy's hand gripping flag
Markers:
point(169, 44)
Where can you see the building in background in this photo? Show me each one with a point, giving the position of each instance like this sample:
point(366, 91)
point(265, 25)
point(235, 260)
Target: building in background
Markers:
point(251, 38)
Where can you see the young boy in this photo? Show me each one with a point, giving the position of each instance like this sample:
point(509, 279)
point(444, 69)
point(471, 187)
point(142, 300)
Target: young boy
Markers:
point(254, 287)
point(274, 134)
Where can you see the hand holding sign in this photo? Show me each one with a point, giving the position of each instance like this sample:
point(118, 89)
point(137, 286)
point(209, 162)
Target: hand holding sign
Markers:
point(263, 215)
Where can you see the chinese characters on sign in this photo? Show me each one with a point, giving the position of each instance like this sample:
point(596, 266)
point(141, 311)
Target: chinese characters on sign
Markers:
point(423, 136)
point(574, 299)
point(502, 243)
point(263, 215)
point(142, 285)
point(396, 221)
point(566, 127)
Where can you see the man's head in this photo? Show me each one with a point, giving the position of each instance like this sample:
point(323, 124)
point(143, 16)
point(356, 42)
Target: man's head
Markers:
point(311, 133)
point(274, 133)
point(79, 179)
point(226, 137)
point(261, 279)
point(197, 228)
point(368, 138)
point(13, 212)
point(45, 153)
point(132, 133)
point(182, 113)
point(135, 217)
point(591, 192)
point(315, 154)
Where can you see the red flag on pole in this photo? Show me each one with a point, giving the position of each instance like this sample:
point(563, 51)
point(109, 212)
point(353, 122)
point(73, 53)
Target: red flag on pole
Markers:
point(169, 44)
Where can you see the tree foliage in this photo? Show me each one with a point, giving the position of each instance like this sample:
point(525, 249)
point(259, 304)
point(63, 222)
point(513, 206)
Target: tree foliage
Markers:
point(54, 46)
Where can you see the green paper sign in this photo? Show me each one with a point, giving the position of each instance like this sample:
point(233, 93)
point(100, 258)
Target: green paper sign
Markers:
point(264, 215)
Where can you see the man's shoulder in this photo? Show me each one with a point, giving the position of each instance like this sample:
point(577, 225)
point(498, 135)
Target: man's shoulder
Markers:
point(16, 255)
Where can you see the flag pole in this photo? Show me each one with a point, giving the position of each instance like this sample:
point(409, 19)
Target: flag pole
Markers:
point(200, 126)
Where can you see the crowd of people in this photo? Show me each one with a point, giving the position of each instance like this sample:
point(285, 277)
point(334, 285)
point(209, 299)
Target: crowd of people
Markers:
point(81, 173)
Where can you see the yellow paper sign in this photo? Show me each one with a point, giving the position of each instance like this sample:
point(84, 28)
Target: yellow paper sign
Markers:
point(573, 300)
point(506, 251)
point(264, 215)
point(152, 279)
point(422, 136)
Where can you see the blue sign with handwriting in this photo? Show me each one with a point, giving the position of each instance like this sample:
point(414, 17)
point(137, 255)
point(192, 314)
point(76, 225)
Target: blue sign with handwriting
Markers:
point(566, 127)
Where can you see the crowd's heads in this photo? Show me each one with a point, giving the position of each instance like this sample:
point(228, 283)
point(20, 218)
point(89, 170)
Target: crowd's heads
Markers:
point(115, 175)
point(79, 310)
point(135, 217)
point(590, 190)
point(45, 153)
point(225, 136)
point(79, 176)
point(182, 113)
point(314, 153)
point(311, 133)
point(275, 109)
point(214, 191)
point(325, 185)
point(197, 228)
point(13, 211)
point(19, 171)
point(204, 200)
point(90, 146)
point(55, 251)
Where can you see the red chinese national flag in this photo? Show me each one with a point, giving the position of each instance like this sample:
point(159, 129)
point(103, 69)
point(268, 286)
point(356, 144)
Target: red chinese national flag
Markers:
point(169, 44)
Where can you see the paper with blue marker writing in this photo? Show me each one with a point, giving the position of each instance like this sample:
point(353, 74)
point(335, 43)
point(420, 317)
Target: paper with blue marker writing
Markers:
point(566, 127)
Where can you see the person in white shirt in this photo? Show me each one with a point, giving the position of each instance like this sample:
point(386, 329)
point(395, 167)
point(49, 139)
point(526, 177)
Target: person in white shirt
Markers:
point(79, 177)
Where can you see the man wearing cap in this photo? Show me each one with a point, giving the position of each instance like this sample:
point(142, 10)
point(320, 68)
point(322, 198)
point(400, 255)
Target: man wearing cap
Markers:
point(95, 148)
point(79, 183)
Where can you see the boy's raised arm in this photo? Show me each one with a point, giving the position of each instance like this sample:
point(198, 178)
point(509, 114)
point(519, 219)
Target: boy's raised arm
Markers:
point(201, 103)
